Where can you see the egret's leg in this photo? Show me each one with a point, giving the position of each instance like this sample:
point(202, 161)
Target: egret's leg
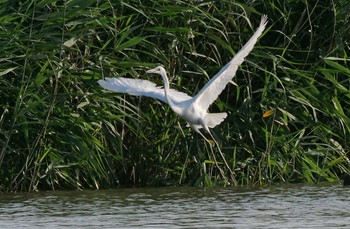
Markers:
point(217, 165)
point(195, 128)
point(223, 157)
point(203, 136)
point(212, 152)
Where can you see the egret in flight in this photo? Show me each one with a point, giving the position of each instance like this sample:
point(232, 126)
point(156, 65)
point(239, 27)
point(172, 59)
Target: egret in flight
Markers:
point(193, 109)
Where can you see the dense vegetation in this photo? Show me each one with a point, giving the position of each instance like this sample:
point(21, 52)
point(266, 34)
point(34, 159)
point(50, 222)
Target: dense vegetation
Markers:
point(59, 129)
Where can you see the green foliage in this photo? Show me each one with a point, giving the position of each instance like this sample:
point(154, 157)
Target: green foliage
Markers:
point(59, 129)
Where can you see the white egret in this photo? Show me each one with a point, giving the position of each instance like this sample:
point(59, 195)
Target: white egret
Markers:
point(193, 109)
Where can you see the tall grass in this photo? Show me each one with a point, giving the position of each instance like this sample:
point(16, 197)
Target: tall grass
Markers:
point(59, 129)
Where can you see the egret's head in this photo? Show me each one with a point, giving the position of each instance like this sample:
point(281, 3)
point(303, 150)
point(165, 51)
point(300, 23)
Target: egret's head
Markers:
point(158, 70)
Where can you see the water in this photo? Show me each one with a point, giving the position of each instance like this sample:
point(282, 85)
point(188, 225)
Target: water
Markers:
point(292, 206)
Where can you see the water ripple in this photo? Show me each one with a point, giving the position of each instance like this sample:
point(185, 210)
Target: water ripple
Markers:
point(287, 206)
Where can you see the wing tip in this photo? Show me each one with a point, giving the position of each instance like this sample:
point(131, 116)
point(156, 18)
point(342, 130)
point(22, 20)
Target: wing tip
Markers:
point(264, 21)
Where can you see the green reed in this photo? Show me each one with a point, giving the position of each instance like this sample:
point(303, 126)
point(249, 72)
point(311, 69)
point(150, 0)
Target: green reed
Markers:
point(59, 129)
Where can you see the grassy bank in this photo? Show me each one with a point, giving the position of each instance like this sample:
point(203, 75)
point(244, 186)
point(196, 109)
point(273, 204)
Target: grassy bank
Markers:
point(59, 129)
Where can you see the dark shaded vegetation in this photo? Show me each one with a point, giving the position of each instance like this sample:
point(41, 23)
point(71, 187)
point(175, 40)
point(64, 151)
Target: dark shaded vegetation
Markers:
point(59, 129)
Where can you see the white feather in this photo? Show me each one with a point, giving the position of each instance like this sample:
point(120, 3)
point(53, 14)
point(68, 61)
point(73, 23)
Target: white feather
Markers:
point(192, 109)
point(140, 87)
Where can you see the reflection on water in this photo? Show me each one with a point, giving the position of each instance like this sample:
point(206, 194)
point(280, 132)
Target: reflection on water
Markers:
point(306, 206)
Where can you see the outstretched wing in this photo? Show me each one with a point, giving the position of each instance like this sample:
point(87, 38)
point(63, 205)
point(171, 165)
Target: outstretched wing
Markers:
point(217, 84)
point(140, 87)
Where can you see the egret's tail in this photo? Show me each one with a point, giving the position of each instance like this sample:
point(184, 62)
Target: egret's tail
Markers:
point(214, 119)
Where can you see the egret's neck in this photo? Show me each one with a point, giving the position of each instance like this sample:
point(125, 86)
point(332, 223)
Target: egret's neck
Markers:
point(166, 91)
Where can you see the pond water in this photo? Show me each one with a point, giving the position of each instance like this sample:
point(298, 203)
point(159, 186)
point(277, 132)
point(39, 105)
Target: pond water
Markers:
point(281, 206)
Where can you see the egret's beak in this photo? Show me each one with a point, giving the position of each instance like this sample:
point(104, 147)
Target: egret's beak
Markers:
point(151, 71)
